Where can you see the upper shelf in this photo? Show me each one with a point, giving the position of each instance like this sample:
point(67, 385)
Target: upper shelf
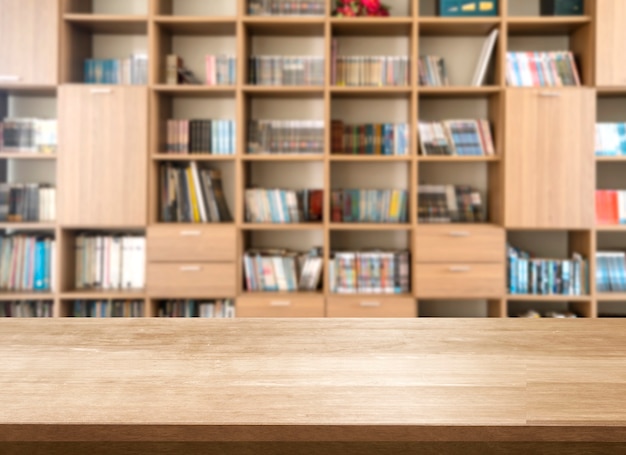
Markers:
point(457, 26)
point(372, 26)
point(558, 25)
point(285, 26)
point(109, 24)
point(190, 25)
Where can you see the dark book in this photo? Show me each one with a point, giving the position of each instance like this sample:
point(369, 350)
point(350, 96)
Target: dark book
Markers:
point(216, 183)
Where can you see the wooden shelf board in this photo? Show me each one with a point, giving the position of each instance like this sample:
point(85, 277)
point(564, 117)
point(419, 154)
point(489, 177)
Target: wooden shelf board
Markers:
point(371, 296)
point(282, 227)
point(28, 90)
point(459, 26)
point(458, 159)
point(459, 91)
point(371, 92)
point(26, 156)
point(285, 26)
point(611, 228)
point(369, 158)
point(611, 91)
point(281, 295)
point(372, 26)
point(195, 90)
point(192, 226)
point(611, 159)
point(549, 298)
point(370, 226)
point(109, 23)
point(284, 157)
point(103, 295)
point(552, 25)
point(28, 226)
point(284, 91)
point(192, 157)
point(104, 228)
point(192, 25)
point(7, 296)
point(611, 297)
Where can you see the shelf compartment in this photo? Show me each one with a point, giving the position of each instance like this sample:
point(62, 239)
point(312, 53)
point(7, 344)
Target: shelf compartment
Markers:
point(463, 26)
point(552, 25)
point(371, 26)
point(285, 26)
point(190, 25)
point(109, 24)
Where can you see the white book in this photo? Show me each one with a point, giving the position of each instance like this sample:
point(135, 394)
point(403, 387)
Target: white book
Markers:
point(141, 262)
point(485, 57)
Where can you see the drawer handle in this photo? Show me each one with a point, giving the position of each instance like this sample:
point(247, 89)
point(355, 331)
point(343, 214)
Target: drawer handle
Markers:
point(9, 78)
point(459, 234)
point(280, 303)
point(549, 94)
point(370, 304)
point(190, 233)
point(191, 268)
point(460, 269)
point(101, 91)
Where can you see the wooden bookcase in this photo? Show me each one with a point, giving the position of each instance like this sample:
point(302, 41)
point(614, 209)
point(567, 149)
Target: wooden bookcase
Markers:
point(539, 187)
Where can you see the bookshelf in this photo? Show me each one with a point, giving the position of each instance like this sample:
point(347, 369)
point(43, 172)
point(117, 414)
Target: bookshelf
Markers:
point(539, 184)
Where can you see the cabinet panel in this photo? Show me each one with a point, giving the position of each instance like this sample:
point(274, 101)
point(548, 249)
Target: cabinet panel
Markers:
point(103, 156)
point(371, 307)
point(29, 42)
point(463, 281)
point(460, 243)
point(280, 307)
point(202, 243)
point(610, 43)
point(201, 280)
point(549, 162)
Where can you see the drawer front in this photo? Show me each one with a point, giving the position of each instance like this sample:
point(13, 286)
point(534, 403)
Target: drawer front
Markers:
point(460, 280)
point(374, 307)
point(460, 243)
point(280, 307)
point(199, 280)
point(199, 244)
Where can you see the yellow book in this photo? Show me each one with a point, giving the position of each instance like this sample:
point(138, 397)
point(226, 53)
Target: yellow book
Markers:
point(394, 211)
point(192, 195)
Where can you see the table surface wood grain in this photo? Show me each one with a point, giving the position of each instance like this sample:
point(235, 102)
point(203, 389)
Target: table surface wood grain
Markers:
point(312, 380)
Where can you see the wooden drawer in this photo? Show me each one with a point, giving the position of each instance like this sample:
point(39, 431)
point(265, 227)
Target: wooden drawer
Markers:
point(458, 243)
point(194, 244)
point(371, 307)
point(460, 280)
point(199, 280)
point(280, 306)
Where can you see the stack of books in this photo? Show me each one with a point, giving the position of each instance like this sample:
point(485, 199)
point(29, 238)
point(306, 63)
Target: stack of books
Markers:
point(28, 135)
point(221, 70)
point(432, 71)
point(286, 7)
point(28, 202)
point(26, 309)
point(108, 309)
point(456, 137)
point(541, 69)
point(284, 70)
point(611, 271)
point(27, 263)
point(197, 309)
point(282, 270)
point(128, 71)
point(369, 272)
point(370, 138)
point(284, 206)
point(369, 206)
point(450, 204)
point(610, 139)
point(201, 136)
point(286, 136)
point(371, 71)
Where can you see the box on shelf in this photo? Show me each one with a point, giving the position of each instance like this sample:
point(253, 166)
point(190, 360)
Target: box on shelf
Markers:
point(467, 8)
point(562, 7)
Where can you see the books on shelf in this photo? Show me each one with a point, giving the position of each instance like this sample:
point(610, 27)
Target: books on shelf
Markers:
point(27, 202)
point(369, 206)
point(110, 262)
point(284, 206)
point(372, 71)
point(286, 136)
point(539, 276)
point(432, 71)
point(611, 271)
point(286, 70)
point(286, 7)
point(456, 137)
point(283, 270)
point(201, 136)
point(541, 69)
point(369, 272)
point(485, 56)
point(611, 207)
point(370, 138)
point(610, 139)
point(192, 194)
point(26, 309)
point(127, 71)
point(27, 263)
point(533, 314)
point(221, 70)
point(28, 135)
point(197, 309)
point(450, 204)
point(108, 309)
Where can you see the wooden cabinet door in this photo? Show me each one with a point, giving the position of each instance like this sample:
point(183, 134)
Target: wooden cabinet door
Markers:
point(610, 42)
point(29, 31)
point(103, 156)
point(549, 158)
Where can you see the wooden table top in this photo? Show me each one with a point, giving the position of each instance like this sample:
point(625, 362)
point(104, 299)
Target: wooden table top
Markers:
point(312, 379)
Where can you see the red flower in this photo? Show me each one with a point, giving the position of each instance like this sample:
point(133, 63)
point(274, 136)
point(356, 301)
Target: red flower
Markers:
point(372, 6)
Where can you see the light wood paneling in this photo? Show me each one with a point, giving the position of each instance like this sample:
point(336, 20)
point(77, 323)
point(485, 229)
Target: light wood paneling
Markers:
point(611, 43)
point(458, 243)
point(192, 243)
point(371, 307)
point(464, 281)
point(280, 306)
point(550, 169)
point(29, 42)
point(193, 280)
point(103, 167)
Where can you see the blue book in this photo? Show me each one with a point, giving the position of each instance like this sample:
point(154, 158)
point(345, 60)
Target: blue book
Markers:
point(39, 270)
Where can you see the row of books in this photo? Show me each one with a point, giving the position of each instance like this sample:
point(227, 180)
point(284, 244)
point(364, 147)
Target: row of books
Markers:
point(197, 309)
point(219, 70)
point(611, 271)
point(534, 314)
point(284, 206)
point(369, 272)
point(28, 135)
point(26, 309)
point(30, 202)
point(286, 7)
point(201, 136)
point(286, 136)
point(535, 276)
point(610, 207)
point(370, 138)
point(456, 137)
point(371, 71)
point(541, 69)
point(432, 71)
point(282, 270)
point(110, 262)
point(127, 71)
point(286, 70)
point(610, 139)
point(27, 263)
point(450, 204)
point(108, 309)
point(192, 194)
point(369, 206)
